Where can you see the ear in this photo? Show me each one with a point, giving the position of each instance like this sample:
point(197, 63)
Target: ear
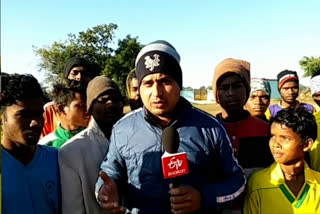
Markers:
point(308, 144)
point(61, 109)
point(3, 117)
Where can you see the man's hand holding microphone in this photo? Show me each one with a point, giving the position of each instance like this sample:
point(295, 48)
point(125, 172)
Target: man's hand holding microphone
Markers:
point(184, 199)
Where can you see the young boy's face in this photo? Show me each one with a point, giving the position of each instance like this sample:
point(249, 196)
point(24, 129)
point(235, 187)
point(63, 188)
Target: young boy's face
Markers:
point(289, 92)
point(231, 93)
point(134, 89)
point(286, 146)
point(76, 113)
point(258, 103)
point(108, 108)
point(22, 123)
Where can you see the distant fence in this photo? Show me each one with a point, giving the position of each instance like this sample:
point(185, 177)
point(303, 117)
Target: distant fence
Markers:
point(201, 96)
point(206, 96)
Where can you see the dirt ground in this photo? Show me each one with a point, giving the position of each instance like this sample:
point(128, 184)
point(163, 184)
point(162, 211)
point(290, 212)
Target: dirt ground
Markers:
point(215, 108)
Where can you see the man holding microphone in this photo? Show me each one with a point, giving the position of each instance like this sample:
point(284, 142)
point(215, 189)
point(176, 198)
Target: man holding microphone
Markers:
point(132, 168)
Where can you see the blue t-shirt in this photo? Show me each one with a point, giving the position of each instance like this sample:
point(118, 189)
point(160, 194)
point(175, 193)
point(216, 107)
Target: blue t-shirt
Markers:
point(33, 188)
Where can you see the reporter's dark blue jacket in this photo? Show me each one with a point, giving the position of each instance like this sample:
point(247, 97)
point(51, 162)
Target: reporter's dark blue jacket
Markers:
point(134, 160)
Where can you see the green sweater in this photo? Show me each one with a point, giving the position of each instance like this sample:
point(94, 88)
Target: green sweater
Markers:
point(61, 136)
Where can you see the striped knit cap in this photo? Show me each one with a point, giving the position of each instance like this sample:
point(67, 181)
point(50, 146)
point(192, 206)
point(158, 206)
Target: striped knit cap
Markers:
point(287, 76)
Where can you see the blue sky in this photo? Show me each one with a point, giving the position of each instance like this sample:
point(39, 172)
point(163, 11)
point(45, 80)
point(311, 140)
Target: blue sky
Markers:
point(272, 35)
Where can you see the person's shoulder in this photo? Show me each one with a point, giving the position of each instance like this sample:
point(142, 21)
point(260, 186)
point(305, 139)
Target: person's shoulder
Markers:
point(312, 176)
point(48, 151)
point(47, 139)
point(77, 143)
point(260, 179)
point(259, 122)
point(307, 106)
point(273, 105)
point(202, 117)
point(48, 148)
point(130, 117)
point(49, 106)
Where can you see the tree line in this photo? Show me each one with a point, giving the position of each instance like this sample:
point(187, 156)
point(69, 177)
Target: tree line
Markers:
point(95, 44)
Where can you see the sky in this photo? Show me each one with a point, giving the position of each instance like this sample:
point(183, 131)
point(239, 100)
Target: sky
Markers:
point(272, 35)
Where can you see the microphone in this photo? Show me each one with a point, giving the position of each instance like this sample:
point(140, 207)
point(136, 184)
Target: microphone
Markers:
point(174, 164)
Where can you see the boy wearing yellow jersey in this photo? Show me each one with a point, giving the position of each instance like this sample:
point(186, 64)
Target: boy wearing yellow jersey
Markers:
point(315, 150)
point(288, 185)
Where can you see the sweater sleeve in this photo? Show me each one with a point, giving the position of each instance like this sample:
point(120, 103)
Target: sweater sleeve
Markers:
point(226, 190)
point(72, 196)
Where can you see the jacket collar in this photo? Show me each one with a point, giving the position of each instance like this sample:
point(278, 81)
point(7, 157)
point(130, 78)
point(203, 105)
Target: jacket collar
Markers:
point(178, 113)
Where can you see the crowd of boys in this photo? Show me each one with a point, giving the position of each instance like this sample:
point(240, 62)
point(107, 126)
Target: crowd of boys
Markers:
point(91, 158)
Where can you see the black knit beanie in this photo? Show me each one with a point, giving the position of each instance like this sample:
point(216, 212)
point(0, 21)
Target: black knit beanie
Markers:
point(287, 76)
point(75, 62)
point(159, 57)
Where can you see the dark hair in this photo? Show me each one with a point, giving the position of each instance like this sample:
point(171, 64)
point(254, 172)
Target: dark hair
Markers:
point(299, 120)
point(132, 75)
point(64, 94)
point(92, 69)
point(19, 87)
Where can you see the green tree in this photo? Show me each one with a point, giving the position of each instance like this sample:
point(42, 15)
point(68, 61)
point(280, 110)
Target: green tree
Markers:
point(188, 88)
point(93, 44)
point(310, 65)
point(123, 61)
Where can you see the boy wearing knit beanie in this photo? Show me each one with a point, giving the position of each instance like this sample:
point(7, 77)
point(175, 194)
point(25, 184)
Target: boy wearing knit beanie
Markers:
point(81, 156)
point(78, 69)
point(259, 98)
point(138, 142)
point(231, 88)
point(288, 86)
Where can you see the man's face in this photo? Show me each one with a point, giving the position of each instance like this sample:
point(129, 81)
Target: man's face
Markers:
point(289, 92)
point(134, 95)
point(107, 108)
point(160, 94)
point(134, 89)
point(286, 146)
point(231, 93)
point(79, 73)
point(316, 98)
point(258, 103)
point(22, 123)
point(76, 112)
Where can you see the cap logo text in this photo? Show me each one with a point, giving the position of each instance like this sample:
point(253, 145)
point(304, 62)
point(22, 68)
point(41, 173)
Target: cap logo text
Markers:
point(152, 63)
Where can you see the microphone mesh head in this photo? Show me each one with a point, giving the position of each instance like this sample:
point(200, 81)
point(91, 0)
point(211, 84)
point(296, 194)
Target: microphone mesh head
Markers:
point(170, 140)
